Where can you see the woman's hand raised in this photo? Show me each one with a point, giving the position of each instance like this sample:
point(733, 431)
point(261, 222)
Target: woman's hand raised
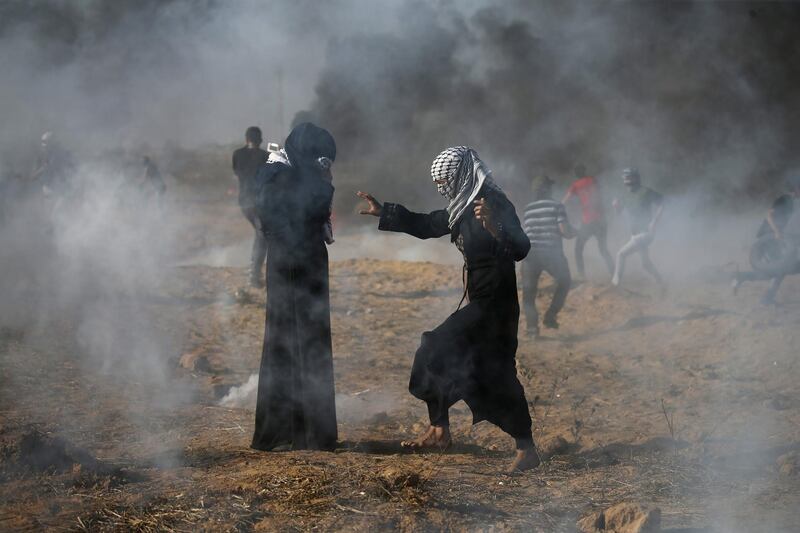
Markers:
point(374, 207)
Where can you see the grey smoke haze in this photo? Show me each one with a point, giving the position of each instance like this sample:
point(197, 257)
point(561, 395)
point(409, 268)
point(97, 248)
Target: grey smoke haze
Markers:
point(128, 72)
point(697, 95)
point(701, 96)
point(691, 92)
point(131, 72)
point(79, 276)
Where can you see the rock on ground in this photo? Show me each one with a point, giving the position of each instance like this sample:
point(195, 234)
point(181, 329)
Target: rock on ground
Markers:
point(622, 518)
point(394, 477)
point(789, 463)
point(557, 445)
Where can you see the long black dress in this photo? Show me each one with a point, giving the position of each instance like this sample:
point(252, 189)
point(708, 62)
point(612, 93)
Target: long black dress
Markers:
point(471, 356)
point(296, 398)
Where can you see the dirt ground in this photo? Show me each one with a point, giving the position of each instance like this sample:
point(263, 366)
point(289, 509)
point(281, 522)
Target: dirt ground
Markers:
point(688, 402)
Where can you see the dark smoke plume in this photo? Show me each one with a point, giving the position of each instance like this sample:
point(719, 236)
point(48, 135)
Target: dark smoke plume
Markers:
point(698, 95)
point(691, 92)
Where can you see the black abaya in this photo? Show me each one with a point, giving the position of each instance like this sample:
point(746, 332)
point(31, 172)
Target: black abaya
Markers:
point(295, 404)
point(471, 356)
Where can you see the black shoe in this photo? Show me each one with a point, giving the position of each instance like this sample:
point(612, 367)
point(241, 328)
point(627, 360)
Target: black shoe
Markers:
point(550, 322)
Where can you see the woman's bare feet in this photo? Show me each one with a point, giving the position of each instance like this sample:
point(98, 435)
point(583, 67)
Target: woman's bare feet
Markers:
point(436, 438)
point(525, 459)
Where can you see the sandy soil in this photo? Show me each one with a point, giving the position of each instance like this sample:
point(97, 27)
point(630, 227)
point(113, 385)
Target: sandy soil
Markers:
point(114, 453)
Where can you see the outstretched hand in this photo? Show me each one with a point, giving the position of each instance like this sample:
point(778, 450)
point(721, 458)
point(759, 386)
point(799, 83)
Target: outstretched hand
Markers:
point(374, 207)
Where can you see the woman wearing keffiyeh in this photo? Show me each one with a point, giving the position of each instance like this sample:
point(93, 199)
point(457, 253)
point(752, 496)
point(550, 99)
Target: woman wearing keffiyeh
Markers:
point(471, 356)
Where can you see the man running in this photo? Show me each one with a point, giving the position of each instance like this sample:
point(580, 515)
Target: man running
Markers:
point(593, 219)
point(644, 207)
point(545, 223)
point(246, 163)
point(775, 223)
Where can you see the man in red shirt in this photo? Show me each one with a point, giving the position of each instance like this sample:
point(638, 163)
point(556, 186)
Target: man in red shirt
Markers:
point(593, 221)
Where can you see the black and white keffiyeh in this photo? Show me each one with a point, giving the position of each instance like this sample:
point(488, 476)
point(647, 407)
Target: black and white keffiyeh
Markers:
point(459, 175)
point(279, 156)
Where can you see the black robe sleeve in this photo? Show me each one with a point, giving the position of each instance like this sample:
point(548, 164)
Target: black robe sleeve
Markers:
point(318, 198)
point(511, 238)
point(397, 218)
point(274, 202)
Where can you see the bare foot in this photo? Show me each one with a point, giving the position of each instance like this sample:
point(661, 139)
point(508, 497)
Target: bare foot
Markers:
point(435, 437)
point(526, 459)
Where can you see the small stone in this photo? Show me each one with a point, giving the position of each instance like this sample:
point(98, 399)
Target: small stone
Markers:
point(380, 418)
point(551, 446)
point(622, 518)
point(789, 464)
point(195, 361)
point(779, 402)
point(396, 478)
point(242, 297)
point(788, 469)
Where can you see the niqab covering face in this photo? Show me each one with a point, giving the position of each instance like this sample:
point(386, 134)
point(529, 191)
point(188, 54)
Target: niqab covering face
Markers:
point(459, 175)
point(311, 150)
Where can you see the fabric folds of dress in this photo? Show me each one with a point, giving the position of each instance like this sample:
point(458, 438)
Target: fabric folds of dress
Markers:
point(296, 399)
point(471, 356)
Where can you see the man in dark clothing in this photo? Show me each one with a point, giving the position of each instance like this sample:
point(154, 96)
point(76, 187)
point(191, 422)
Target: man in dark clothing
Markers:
point(545, 222)
point(775, 223)
point(246, 163)
point(593, 219)
point(472, 355)
point(296, 399)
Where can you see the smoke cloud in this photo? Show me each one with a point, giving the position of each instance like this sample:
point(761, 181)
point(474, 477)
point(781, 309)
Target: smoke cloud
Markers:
point(700, 96)
point(688, 92)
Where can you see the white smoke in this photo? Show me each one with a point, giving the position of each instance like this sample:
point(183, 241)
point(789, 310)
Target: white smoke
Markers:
point(242, 396)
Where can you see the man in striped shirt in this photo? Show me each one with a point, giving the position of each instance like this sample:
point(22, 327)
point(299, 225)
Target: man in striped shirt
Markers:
point(545, 223)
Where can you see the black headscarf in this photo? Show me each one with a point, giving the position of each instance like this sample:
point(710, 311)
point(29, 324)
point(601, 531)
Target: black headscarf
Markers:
point(305, 145)
point(295, 199)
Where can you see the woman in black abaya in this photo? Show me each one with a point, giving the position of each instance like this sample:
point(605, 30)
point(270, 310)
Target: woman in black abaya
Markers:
point(471, 356)
point(295, 405)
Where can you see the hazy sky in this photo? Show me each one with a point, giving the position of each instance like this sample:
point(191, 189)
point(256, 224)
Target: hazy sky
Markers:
point(691, 92)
